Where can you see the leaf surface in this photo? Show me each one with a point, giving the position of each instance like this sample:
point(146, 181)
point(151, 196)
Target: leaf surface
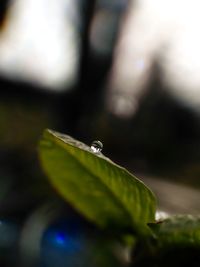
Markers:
point(101, 190)
point(178, 231)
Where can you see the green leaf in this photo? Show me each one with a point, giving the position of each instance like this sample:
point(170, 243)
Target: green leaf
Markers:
point(178, 231)
point(176, 243)
point(101, 190)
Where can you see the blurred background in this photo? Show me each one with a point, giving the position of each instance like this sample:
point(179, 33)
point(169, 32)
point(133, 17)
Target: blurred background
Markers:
point(126, 72)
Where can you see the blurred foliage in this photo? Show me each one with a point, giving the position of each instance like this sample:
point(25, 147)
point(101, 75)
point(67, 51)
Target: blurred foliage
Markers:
point(21, 124)
point(177, 243)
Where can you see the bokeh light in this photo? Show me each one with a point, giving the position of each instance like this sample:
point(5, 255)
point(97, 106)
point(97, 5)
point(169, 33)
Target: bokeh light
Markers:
point(40, 45)
point(156, 32)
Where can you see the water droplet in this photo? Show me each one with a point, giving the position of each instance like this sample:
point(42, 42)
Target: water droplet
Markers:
point(96, 146)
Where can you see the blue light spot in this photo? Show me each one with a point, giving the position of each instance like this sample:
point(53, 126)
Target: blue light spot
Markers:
point(64, 240)
point(62, 244)
point(60, 238)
